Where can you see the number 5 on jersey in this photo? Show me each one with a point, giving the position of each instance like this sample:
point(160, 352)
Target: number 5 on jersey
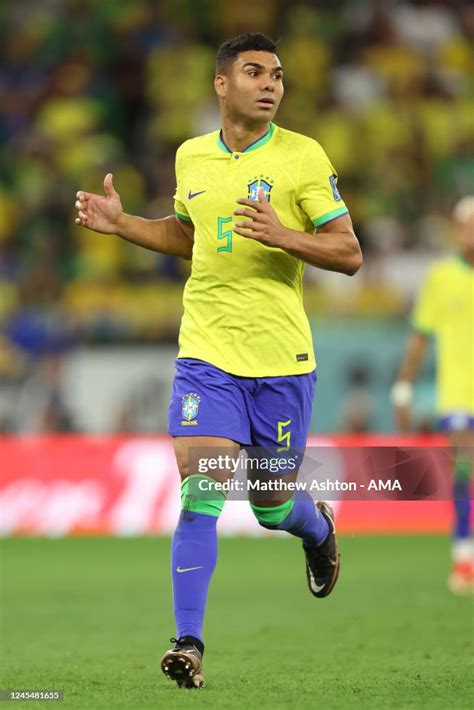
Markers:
point(227, 234)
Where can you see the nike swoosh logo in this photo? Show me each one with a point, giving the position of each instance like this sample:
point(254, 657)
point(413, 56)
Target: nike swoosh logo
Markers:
point(195, 194)
point(187, 569)
point(315, 587)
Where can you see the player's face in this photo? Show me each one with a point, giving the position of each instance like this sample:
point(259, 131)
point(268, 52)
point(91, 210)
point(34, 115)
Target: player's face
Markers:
point(465, 234)
point(253, 88)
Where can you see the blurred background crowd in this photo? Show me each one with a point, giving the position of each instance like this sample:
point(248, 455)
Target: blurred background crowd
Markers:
point(88, 87)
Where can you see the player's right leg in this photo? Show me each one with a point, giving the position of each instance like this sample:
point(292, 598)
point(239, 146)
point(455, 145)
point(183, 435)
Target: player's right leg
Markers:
point(206, 419)
point(194, 557)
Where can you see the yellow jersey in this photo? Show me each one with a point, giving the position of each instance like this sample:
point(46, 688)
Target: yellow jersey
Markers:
point(243, 307)
point(445, 309)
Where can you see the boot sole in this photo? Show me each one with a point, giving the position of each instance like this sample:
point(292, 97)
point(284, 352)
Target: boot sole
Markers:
point(183, 668)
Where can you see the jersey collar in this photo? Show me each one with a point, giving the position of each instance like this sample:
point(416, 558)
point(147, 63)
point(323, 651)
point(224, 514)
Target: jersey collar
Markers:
point(253, 146)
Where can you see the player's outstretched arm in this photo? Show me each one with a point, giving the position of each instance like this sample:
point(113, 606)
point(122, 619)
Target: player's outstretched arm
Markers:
point(402, 391)
point(104, 214)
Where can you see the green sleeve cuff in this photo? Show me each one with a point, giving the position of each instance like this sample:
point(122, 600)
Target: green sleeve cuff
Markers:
point(329, 216)
point(182, 216)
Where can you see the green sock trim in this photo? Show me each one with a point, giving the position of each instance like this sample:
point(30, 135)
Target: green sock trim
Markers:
point(274, 515)
point(462, 469)
point(199, 495)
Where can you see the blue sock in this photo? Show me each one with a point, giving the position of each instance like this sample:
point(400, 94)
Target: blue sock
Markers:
point(462, 508)
point(301, 518)
point(194, 552)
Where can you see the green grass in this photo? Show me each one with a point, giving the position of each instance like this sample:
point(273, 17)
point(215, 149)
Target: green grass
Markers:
point(93, 616)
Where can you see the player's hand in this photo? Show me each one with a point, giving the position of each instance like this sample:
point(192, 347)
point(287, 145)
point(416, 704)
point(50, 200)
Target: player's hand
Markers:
point(402, 417)
point(99, 213)
point(263, 224)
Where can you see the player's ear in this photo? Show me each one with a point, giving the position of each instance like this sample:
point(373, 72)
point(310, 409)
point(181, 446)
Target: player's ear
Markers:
point(220, 85)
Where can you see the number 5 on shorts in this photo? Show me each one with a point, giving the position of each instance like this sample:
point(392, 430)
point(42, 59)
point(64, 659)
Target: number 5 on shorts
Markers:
point(284, 437)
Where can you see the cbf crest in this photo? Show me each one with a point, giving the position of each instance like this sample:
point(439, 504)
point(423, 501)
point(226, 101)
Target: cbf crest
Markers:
point(257, 183)
point(190, 408)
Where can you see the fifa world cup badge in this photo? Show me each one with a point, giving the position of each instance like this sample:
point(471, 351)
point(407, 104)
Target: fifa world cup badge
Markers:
point(335, 191)
point(190, 408)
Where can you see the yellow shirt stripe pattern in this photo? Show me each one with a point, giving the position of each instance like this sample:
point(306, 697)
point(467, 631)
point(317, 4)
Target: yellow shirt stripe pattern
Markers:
point(243, 308)
point(445, 309)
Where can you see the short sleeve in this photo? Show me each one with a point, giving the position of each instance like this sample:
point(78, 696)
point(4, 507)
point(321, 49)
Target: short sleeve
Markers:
point(318, 195)
point(424, 314)
point(180, 208)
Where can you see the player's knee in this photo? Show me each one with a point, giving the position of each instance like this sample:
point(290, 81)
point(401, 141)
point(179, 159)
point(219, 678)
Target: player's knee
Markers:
point(202, 494)
point(183, 464)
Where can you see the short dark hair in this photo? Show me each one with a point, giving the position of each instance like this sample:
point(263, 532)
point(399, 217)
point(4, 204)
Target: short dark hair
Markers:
point(228, 51)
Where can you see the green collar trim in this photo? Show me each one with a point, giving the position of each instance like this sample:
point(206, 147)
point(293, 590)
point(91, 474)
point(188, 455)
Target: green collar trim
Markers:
point(259, 143)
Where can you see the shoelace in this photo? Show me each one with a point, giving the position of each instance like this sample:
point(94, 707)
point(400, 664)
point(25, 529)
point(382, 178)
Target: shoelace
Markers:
point(180, 640)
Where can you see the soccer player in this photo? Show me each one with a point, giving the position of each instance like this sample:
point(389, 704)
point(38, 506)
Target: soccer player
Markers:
point(253, 203)
point(445, 310)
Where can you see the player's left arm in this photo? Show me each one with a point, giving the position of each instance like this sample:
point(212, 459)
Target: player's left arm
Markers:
point(334, 248)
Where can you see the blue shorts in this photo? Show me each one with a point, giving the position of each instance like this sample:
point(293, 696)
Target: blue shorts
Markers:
point(457, 421)
point(262, 411)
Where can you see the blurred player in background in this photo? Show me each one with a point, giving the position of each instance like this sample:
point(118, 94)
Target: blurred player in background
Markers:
point(248, 201)
point(445, 309)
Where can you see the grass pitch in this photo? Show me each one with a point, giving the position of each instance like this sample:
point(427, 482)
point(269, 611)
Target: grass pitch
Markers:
point(92, 617)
